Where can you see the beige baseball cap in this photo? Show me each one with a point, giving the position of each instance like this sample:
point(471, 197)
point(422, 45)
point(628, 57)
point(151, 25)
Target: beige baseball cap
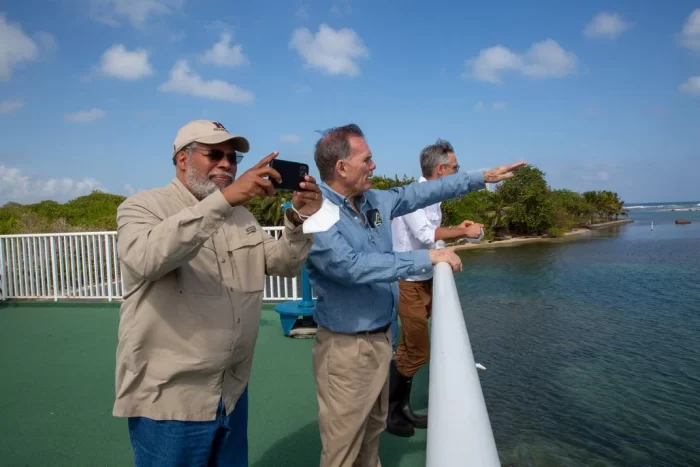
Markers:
point(208, 132)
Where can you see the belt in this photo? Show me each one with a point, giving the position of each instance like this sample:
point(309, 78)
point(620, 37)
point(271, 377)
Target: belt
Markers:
point(381, 330)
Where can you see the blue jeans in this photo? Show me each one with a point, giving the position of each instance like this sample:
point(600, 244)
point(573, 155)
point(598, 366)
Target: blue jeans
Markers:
point(171, 443)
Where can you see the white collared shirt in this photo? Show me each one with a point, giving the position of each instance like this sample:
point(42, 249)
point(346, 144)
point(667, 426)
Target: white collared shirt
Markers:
point(416, 231)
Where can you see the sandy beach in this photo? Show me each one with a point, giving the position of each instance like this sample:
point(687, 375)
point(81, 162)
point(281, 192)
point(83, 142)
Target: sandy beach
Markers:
point(522, 240)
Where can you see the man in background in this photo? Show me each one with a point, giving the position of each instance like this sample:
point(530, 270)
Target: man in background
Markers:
point(354, 271)
point(194, 261)
point(419, 230)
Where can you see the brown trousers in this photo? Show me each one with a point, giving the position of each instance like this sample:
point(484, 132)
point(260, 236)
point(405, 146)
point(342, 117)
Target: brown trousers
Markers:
point(415, 306)
point(352, 388)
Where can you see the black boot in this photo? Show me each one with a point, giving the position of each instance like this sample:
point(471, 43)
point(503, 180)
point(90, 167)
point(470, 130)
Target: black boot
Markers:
point(396, 422)
point(418, 421)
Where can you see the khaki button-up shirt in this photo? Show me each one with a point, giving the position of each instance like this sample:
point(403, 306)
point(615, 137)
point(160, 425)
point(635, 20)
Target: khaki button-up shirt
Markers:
point(193, 274)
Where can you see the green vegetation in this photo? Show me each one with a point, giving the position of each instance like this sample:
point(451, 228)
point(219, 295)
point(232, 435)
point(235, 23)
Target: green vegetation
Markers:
point(94, 212)
point(522, 206)
point(526, 206)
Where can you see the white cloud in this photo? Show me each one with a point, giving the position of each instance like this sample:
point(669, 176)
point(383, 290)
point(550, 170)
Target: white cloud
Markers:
point(224, 54)
point(302, 12)
point(334, 52)
point(46, 41)
point(341, 8)
point(20, 188)
point(16, 48)
point(496, 106)
point(135, 12)
point(147, 113)
point(184, 81)
point(129, 190)
point(85, 116)
point(542, 60)
point(690, 36)
point(606, 26)
point(11, 105)
point(290, 139)
point(692, 86)
point(118, 62)
point(178, 36)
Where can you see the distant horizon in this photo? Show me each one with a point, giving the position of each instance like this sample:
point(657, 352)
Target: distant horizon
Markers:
point(627, 203)
point(631, 203)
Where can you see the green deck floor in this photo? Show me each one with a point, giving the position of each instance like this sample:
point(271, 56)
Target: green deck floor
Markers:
point(57, 389)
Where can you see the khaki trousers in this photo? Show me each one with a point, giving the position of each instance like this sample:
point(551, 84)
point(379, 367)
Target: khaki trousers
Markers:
point(352, 387)
point(415, 306)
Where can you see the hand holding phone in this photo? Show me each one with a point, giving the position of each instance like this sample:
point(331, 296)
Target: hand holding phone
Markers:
point(291, 173)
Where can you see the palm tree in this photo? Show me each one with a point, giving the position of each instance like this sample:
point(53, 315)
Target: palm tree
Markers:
point(268, 210)
point(497, 212)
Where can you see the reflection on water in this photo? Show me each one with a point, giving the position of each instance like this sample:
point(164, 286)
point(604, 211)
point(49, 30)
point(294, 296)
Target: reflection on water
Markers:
point(592, 346)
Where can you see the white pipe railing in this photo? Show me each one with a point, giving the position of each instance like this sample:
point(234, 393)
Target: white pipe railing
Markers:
point(84, 265)
point(459, 430)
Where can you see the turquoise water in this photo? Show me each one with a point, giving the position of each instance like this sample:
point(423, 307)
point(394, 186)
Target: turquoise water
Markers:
point(592, 346)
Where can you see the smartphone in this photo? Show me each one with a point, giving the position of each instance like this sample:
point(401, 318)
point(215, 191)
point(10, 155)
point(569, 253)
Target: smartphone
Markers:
point(292, 174)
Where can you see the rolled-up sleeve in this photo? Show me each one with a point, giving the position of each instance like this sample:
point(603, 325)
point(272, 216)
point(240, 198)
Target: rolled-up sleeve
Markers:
point(420, 228)
point(335, 259)
point(285, 256)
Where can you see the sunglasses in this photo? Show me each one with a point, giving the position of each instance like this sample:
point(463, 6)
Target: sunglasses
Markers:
point(215, 155)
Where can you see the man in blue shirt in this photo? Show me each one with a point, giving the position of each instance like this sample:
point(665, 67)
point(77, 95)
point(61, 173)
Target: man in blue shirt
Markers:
point(354, 272)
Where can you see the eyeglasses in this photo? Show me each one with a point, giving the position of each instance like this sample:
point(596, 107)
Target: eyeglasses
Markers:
point(453, 167)
point(215, 155)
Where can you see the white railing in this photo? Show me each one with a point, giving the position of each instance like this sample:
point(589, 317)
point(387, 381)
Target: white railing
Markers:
point(459, 430)
point(84, 266)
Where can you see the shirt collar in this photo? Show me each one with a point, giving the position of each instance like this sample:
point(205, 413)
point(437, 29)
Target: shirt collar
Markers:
point(422, 179)
point(183, 193)
point(338, 199)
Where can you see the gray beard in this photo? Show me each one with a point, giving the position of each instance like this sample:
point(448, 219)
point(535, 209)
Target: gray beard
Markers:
point(199, 184)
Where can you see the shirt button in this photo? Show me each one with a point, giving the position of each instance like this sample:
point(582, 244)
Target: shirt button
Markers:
point(223, 260)
point(238, 320)
point(231, 289)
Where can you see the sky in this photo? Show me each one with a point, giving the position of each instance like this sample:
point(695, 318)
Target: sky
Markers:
point(599, 95)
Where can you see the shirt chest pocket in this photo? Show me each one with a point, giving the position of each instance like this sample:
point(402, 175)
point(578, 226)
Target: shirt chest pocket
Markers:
point(202, 276)
point(248, 262)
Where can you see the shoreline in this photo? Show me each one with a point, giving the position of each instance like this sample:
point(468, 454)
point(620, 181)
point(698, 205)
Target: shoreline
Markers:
point(525, 240)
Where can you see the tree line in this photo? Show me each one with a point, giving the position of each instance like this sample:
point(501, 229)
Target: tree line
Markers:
point(524, 205)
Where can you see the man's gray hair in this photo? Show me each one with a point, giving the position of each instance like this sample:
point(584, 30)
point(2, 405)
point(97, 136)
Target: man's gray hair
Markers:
point(333, 146)
point(188, 149)
point(435, 155)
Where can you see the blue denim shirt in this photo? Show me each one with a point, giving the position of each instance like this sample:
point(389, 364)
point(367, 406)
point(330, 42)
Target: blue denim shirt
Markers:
point(353, 268)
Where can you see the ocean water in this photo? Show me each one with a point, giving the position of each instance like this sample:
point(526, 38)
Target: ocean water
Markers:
point(592, 346)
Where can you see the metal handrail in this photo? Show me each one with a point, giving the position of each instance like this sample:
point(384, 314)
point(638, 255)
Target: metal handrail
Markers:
point(459, 430)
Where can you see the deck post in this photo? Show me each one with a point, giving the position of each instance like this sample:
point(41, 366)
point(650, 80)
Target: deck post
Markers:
point(3, 270)
point(54, 274)
point(108, 257)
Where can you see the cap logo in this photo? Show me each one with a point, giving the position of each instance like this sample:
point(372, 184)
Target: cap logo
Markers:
point(219, 126)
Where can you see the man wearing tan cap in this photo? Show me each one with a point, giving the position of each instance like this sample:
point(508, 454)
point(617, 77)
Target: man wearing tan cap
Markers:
point(194, 261)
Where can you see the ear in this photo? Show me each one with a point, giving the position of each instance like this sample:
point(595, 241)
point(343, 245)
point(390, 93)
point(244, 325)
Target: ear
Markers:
point(340, 169)
point(181, 160)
